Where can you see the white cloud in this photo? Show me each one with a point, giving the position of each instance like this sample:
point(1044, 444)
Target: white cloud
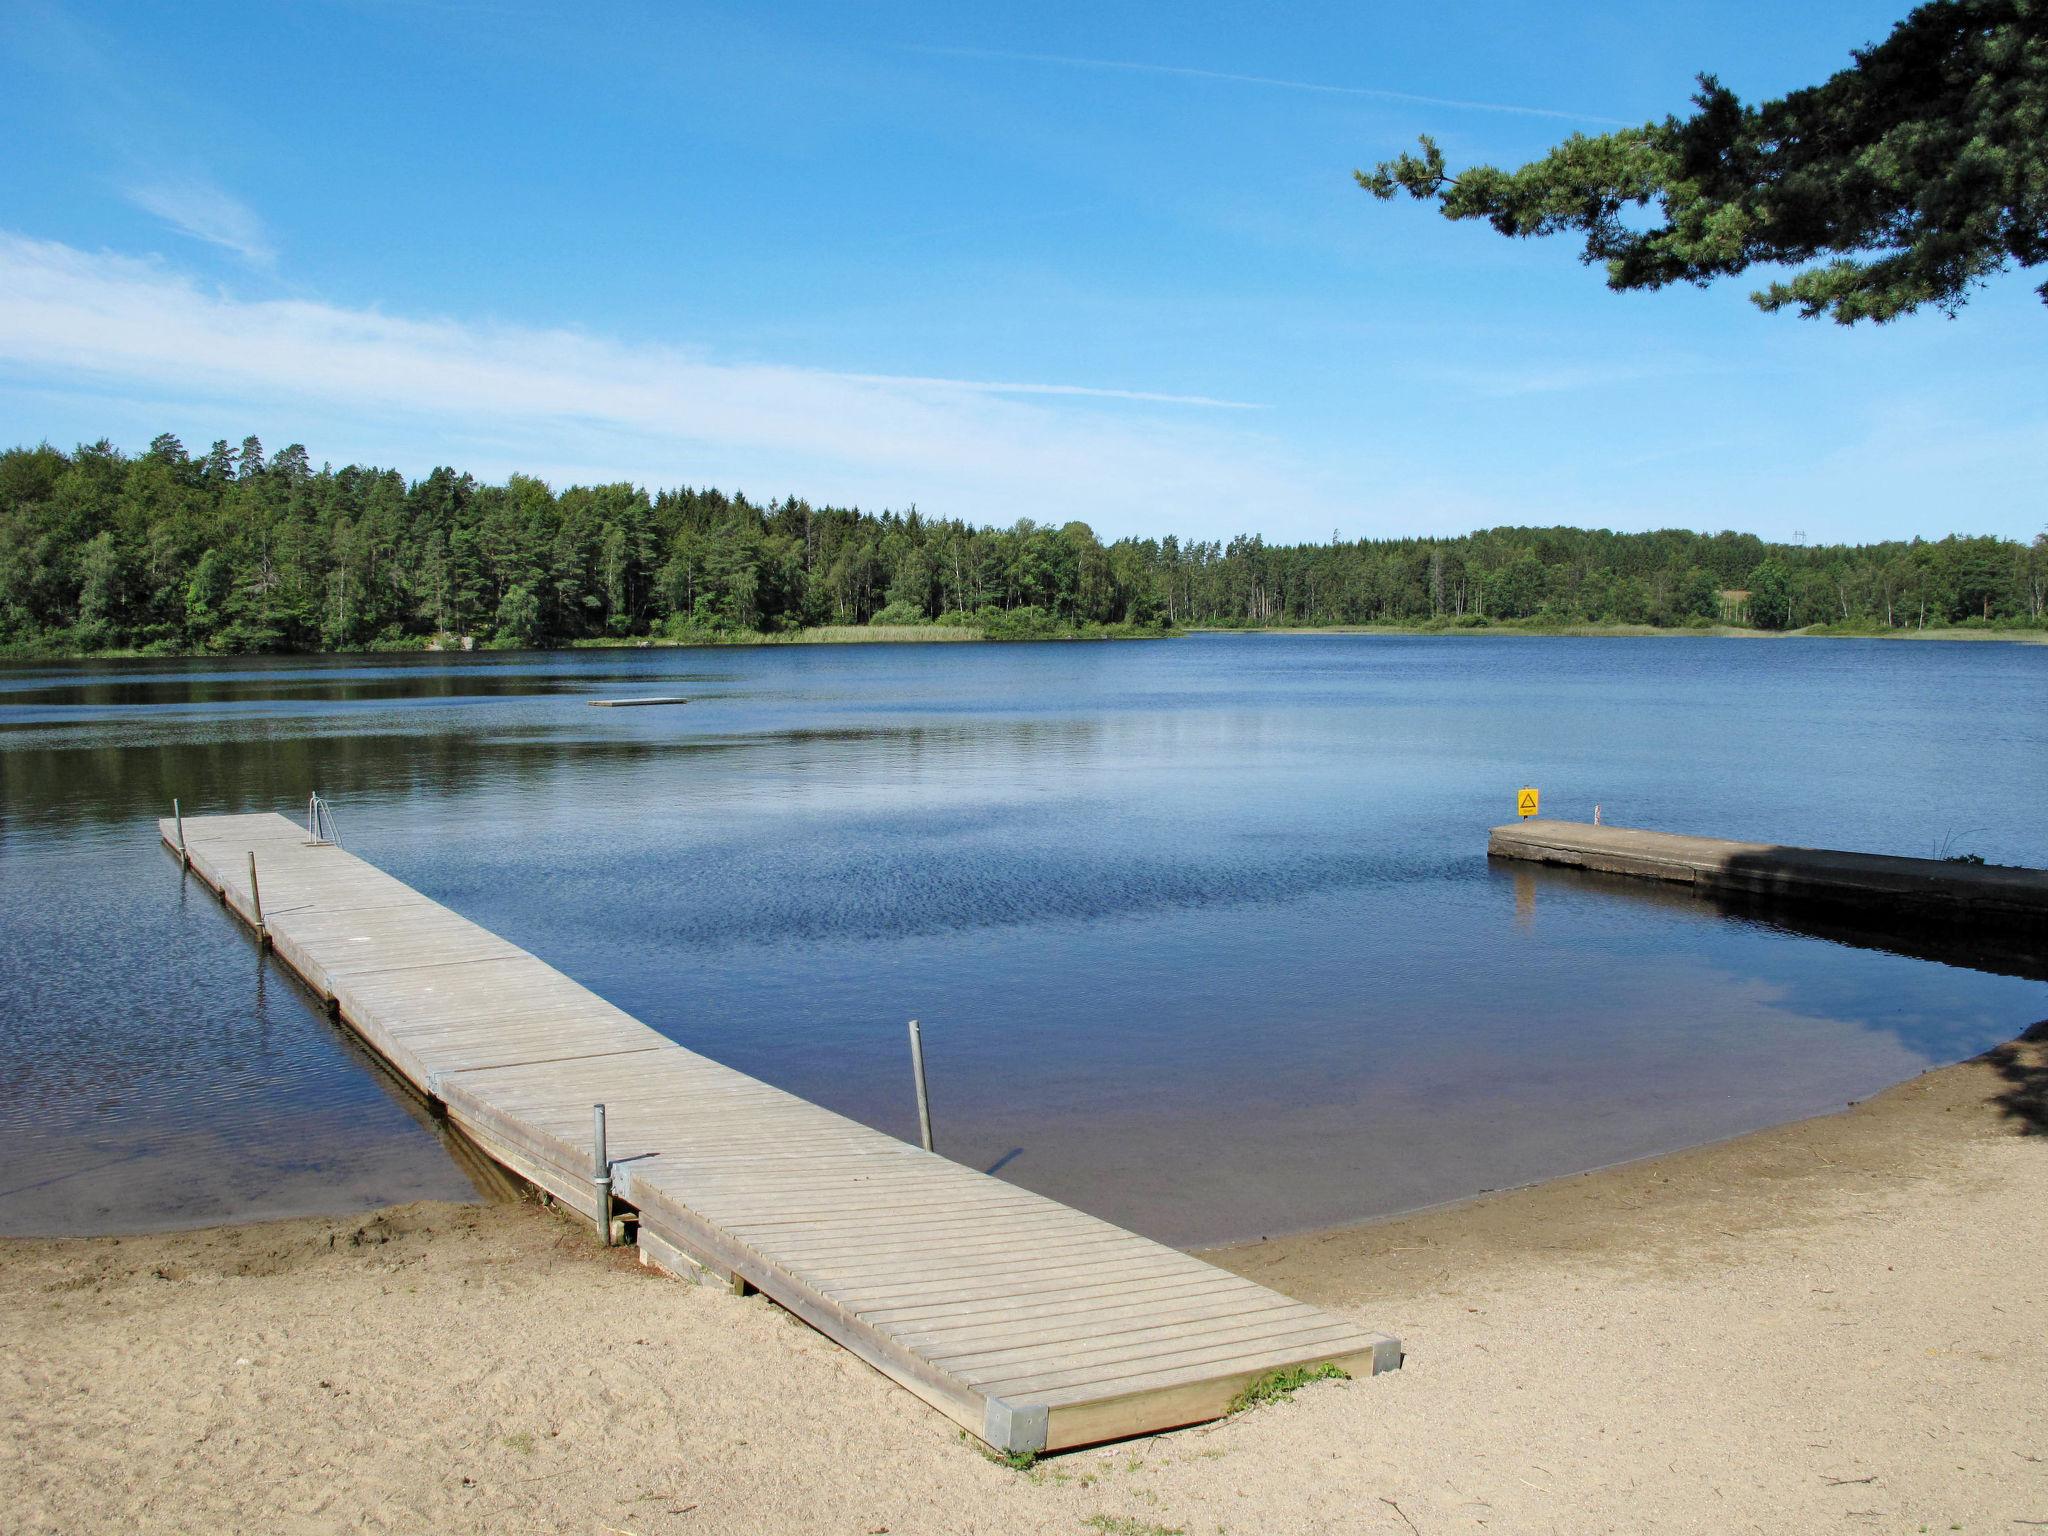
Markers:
point(550, 401)
point(205, 212)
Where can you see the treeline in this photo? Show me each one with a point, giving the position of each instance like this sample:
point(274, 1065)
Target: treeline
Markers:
point(233, 550)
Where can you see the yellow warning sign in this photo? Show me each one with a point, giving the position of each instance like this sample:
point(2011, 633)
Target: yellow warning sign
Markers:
point(1527, 801)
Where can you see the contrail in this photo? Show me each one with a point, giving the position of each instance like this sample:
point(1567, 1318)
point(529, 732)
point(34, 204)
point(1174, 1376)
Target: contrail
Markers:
point(1087, 391)
point(1186, 73)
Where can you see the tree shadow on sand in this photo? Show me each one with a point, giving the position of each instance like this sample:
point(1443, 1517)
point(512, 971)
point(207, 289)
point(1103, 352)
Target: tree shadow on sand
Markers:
point(2023, 1063)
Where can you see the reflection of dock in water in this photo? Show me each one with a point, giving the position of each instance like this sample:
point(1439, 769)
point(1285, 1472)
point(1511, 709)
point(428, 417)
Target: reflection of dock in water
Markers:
point(1031, 1324)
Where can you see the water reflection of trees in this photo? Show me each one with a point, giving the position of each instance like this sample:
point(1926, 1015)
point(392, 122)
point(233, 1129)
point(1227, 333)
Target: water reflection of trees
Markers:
point(340, 680)
point(271, 765)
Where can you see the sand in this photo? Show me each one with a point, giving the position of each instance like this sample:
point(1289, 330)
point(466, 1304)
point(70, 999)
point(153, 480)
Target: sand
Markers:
point(1837, 1325)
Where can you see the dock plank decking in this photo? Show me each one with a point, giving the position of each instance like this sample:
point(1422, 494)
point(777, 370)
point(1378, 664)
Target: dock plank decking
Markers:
point(1033, 1325)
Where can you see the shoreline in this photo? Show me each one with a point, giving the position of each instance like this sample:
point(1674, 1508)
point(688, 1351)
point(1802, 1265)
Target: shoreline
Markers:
point(1835, 1320)
point(1629, 632)
point(1754, 1177)
point(920, 634)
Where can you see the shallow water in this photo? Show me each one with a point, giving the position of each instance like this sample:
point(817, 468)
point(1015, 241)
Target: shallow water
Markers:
point(1201, 932)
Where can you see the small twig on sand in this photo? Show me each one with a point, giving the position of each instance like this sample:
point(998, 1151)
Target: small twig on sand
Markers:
point(1397, 1509)
point(1844, 1482)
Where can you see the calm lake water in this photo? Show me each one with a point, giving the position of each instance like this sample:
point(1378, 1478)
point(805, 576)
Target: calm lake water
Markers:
point(1202, 933)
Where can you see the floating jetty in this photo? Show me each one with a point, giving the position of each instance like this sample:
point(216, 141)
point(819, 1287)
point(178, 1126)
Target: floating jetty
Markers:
point(630, 703)
point(1932, 888)
point(1034, 1326)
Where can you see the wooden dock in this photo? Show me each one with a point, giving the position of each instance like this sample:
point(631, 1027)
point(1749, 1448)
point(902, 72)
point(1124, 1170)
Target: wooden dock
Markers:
point(1978, 894)
point(1036, 1327)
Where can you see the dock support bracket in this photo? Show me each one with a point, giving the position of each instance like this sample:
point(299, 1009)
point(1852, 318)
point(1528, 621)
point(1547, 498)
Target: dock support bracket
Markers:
point(601, 1175)
point(1016, 1429)
point(924, 1102)
point(256, 904)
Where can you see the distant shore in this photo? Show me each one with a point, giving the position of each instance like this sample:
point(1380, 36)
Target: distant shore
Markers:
point(1835, 1320)
point(451, 645)
point(873, 634)
point(1657, 631)
point(921, 634)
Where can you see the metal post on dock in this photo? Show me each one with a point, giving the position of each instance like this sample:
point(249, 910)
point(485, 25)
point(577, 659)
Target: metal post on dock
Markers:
point(924, 1103)
point(184, 853)
point(256, 901)
point(601, 1174)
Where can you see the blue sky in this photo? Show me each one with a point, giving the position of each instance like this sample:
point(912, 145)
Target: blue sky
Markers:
point(1056, 261)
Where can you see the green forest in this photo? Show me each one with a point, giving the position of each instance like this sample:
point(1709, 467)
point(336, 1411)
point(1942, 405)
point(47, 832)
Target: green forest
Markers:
point(169, 552)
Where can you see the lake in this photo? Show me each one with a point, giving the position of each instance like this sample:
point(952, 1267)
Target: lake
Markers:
point(1201, 932)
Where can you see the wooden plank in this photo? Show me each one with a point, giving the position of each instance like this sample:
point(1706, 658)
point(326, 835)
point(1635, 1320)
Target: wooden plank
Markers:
point(924, 1316)
point(1044, 1255)
point(1029, 1323)
point(1123, 1318)
point(1044, 1231)
point(1024, 1281)
point(1309, 1341)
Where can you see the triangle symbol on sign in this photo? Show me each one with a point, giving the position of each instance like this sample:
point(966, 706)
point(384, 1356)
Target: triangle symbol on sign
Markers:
point(1528, 801)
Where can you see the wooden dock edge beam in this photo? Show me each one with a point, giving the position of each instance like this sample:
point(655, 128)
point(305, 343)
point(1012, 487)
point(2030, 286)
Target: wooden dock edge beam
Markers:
point(1118, 1418)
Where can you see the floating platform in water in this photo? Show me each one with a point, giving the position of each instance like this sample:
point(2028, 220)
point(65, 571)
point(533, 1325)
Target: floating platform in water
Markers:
point(1937, 888)
point(630, 703)
point(1036, 1327)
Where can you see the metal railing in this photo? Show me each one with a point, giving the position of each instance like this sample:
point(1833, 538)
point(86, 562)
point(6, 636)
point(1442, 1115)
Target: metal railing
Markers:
point(320, 832)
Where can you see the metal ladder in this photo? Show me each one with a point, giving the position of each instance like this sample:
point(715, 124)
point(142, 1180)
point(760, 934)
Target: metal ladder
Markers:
point(320, 831)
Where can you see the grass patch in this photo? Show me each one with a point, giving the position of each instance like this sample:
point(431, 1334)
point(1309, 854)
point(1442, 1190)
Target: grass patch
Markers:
point(1124, 1525)
point(1277, 1386)
point(1016, 1461)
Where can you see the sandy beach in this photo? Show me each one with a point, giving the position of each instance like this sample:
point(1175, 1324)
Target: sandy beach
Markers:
point(1834, 1325)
